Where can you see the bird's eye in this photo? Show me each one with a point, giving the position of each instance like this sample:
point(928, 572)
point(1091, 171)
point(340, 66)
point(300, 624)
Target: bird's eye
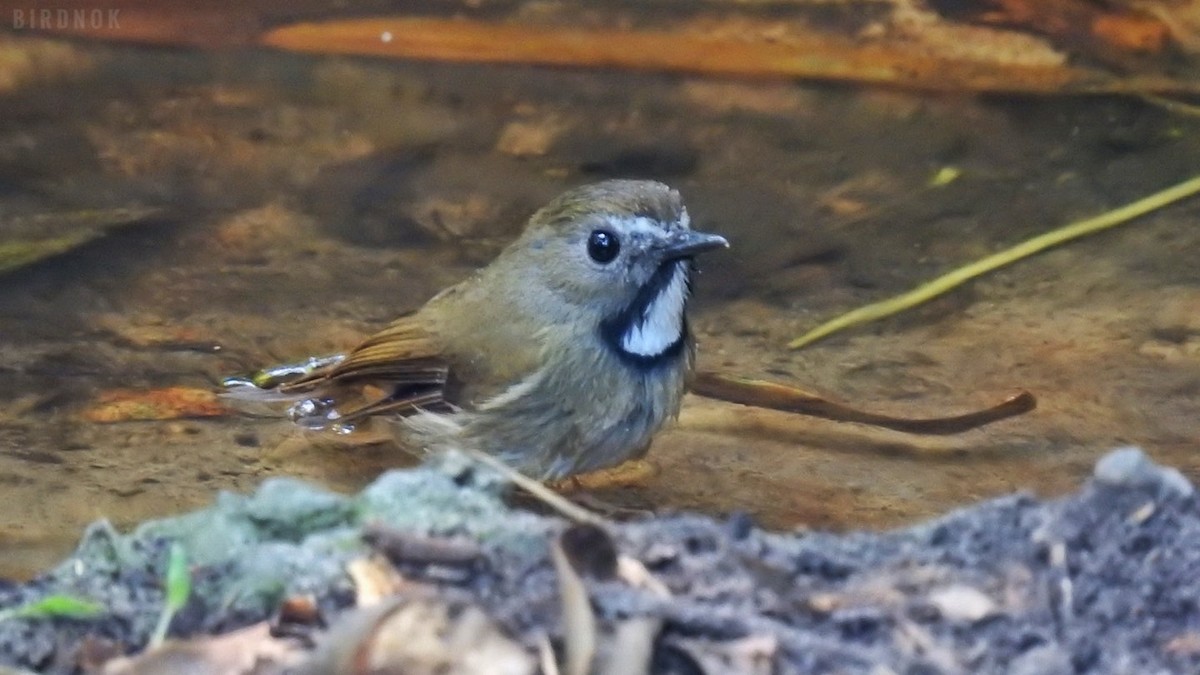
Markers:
point(603, 246)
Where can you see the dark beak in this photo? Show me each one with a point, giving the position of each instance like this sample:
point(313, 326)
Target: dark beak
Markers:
point(686, 243)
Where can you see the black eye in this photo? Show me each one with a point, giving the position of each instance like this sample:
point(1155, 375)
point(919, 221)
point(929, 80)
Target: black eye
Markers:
point(603, 246)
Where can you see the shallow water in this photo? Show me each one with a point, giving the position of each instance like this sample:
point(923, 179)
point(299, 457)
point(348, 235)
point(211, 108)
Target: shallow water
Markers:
point(306, 201)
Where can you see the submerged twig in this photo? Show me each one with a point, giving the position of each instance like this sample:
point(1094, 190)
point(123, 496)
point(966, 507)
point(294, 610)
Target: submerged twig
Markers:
point(955, 278)
point(1172, 105)
point(812, 54)
point(408, 547)
point(790, 399)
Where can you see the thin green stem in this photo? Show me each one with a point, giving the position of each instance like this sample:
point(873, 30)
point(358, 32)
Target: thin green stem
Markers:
point(955, 278)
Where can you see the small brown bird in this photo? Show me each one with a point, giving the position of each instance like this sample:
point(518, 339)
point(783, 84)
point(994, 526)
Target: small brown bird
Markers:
point(564, 355)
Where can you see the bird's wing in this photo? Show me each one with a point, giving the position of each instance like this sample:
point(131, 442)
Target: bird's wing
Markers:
point(400, 370)
point(402, 353)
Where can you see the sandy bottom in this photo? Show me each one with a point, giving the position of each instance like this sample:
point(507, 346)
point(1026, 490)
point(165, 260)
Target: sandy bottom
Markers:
point(306, 202)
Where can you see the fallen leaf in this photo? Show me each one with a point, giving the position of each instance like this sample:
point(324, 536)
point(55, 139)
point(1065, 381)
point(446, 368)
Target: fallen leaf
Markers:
point(417, 636)
point(244, 651)
point(931, 55)
point(29, 239)
point(374, 580)
point(1187, 644)
point(631, 647)
point(579, 622)
point(751, 655)
point(634, 573)
point(126, 405)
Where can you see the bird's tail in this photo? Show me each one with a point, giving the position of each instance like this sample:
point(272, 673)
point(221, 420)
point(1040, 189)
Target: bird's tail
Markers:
point(299, 384)
point(319, 398)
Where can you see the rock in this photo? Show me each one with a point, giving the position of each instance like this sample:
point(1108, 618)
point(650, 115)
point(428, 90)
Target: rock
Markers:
point(963, 604)
point(1043, 660)
point(530, 138)
point(1130, 467)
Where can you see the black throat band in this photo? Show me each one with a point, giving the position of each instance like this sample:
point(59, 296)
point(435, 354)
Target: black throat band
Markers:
point(614, 329)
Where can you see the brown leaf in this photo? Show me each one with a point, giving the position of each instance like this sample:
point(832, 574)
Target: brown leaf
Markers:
point(631, 646)
point(579, 622)
point(124, 405)
point(751, 655)
point(1184, 644)
point(418, 636)
point(374, 580)
point(789, 53)
point(241, 652)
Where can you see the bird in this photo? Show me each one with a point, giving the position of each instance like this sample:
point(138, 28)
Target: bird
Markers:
point(565, 355)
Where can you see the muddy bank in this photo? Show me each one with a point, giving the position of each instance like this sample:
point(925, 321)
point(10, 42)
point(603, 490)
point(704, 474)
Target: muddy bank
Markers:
point(1106, 580)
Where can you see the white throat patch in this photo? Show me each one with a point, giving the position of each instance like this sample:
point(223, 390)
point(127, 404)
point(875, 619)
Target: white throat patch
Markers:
point(661, 324)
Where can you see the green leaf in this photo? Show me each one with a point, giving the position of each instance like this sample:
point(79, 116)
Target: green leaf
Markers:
point(178, 586)
point(54, 606)
point(179, 580)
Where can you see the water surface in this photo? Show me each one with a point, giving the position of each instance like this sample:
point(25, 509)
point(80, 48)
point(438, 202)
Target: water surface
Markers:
point(306, 201)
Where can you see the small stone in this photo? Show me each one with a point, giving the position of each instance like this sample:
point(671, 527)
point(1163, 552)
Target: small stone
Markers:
point(964, 604)
point(455, 218)
point(530, 138)
point(292, 508)
point(1130, 467)
point(762, 98)
point(1122, 466)
point(1187, 350)
point(1142, 514)
point(1187, 644)
point(1043, 660)
point(261, 230)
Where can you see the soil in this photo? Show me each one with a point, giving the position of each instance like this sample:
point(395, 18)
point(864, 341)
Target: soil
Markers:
point(1105, 580)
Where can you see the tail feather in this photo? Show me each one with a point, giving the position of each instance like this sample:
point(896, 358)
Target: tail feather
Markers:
point(264, 391)
point(320, 396)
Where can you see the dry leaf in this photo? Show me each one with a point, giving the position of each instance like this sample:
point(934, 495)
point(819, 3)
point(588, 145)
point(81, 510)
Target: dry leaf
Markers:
point(932, 54)
point(752, 655)
point(124, 405)
point(242, 652)
point(631, 647)
point(417, 636)
point(374, 580)
point(579, 623)
point(1184, 644)
point(634, 573)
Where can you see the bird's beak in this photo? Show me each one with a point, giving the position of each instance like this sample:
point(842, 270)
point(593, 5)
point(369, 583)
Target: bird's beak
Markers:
point(687, 243)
